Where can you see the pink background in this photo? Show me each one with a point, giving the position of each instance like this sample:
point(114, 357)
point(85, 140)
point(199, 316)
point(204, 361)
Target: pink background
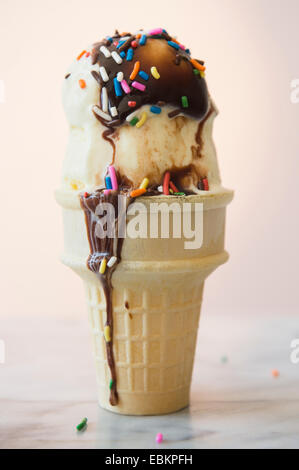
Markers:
point(251, 50)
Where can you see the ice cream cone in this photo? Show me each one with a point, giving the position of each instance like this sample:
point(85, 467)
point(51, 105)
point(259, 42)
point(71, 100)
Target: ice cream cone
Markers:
point(156, 298)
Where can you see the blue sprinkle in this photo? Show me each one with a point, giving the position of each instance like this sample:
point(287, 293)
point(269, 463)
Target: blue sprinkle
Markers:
point(120, 44)
point(117, 87)
point(109, 38)
point(130, 54)
point(122, 54)
point(188, 51)
point(142, 40)
point(143, 75)
point(173, 44)
point(155, 109)
point(108, 182)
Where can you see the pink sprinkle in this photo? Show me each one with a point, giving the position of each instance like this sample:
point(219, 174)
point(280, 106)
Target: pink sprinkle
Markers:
point(113, 177)
point(125, 86)
point(139, 86)
point(106, 191)
point(155, 31)
point(182, 47)
point(87, 54)
point(159, 438)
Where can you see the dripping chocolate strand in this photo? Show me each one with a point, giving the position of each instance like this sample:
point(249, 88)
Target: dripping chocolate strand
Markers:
point(104, 247)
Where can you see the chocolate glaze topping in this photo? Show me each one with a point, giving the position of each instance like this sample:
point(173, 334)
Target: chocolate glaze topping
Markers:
point(177, 77)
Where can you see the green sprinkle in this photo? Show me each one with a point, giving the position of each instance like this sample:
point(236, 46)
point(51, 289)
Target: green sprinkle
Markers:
point(179, 194)
point(111, 384)
point(82, 425)
point(224, 359)
point(185, 103)
point(134, 121)
point(196, 72)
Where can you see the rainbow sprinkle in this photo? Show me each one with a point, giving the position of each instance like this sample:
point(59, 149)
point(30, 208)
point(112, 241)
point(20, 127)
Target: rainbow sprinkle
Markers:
point(155, 31)
point(104, 99)
point(173, 44)
point(117, 87)
point(104, 74)
point(112, 261)
point(103, 266)
point(116, 57)
point(142, 120)
point(143, 40)
point(125, 86)
point(155, 73)
point(101, 113)
point(144, 184)
point(81, 55)
point(107, 334)
point(105, 51)
point(108, 182)
point(130, 54)
point(135, 70)
point(185, 102)
point(113, 177)
point(120, 76)
point(134, 121)
point(143, 75)
point(81, 426)
point(139, 86)
point(155, 109)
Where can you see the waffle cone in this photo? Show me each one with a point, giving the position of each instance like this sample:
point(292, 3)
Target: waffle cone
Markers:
point(156, 297)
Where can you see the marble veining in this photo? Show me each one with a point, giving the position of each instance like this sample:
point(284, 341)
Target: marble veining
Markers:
point(47, 385)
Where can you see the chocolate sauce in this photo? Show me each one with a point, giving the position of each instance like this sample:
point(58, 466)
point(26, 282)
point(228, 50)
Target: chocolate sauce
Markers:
point(105, 247)
point(177, 77)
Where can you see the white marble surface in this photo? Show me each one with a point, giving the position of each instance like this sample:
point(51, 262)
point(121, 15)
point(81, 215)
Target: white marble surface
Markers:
point(47, 385)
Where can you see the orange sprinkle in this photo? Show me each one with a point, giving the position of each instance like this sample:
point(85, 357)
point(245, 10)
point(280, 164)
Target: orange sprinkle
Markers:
point(82, 83)
point(135, 70)
point(197, 65)
point(138, 36)
point(137, 192)
point(275, 373)
point(80, 55)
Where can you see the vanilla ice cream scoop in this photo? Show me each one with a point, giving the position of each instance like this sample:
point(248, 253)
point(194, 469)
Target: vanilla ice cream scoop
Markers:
point(139, 102)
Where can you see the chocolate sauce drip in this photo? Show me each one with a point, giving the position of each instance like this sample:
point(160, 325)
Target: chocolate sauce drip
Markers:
point(198, 136)
point(105, 247)
point(177, 77)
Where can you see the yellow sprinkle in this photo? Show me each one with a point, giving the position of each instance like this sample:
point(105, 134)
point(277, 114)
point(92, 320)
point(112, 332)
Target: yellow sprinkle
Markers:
point(107, 334)
point(155, 73)
point(171, 191)
point(75, 184)
point(141, 120)
point(144, 183)
point(202, 74)
point(103, 266)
